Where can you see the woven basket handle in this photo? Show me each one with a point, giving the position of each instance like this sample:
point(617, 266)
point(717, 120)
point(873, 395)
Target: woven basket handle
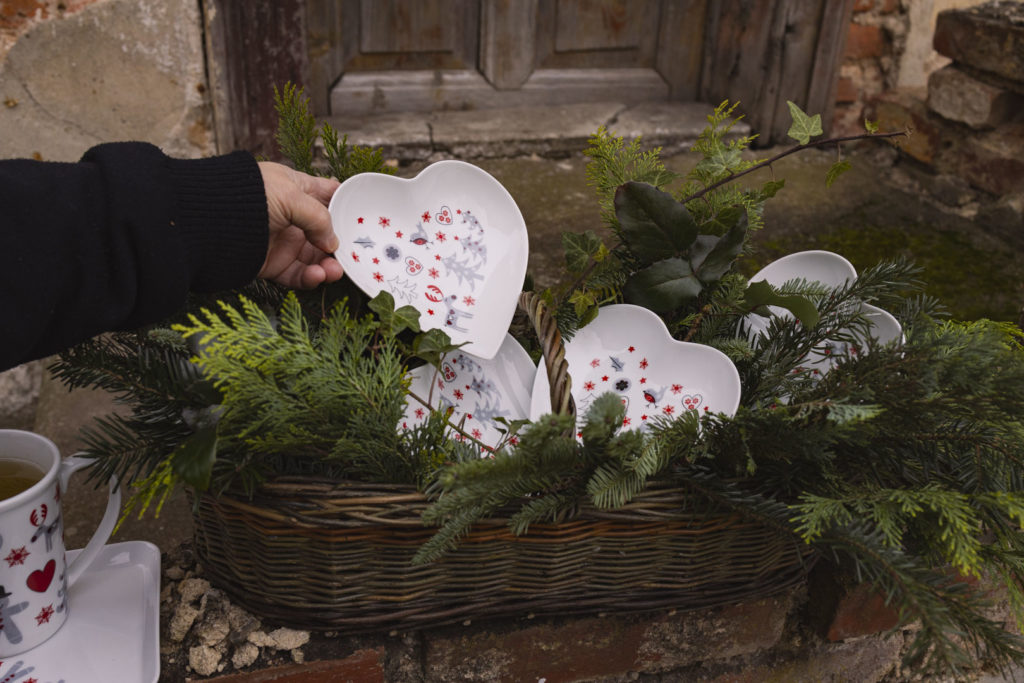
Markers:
point(554, 353)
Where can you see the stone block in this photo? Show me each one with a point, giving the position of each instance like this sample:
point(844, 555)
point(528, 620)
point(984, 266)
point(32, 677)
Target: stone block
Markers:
point(594, 647)
point(19, 394)
point(865, 41)
point(901, 109)
point(992, 161)
point(957, 96)
point(988, 37)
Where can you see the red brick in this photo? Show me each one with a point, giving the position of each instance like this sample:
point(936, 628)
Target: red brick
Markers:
point(865, 41)
point(861, 612)
point(363, 666)
point(863, 5)
point(890, 6)
point(905, 109)
point(15, 13)
point(846, 91)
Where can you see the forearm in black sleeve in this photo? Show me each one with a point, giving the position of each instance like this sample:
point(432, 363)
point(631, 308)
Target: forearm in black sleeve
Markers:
point(117, 240)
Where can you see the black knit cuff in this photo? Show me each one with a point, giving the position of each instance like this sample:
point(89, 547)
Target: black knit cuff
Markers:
point(221, 213)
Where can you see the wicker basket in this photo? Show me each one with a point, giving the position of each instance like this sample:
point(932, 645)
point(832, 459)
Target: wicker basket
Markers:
point(321, 554)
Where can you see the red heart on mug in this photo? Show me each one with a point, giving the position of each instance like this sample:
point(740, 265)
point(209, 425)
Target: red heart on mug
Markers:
point(40, 579)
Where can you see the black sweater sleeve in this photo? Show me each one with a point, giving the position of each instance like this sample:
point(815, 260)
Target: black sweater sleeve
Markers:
point(117, 240)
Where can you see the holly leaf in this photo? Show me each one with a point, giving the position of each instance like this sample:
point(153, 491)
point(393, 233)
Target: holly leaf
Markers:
point(663, 286)
point(724, 253)
point(760, 293)
point(193, 459)
point(580, 248)
point(652, 223)
point(836, 170)
point(804, 127)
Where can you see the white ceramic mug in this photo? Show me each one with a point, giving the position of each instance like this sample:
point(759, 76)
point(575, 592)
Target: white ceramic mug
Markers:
point(34, 574)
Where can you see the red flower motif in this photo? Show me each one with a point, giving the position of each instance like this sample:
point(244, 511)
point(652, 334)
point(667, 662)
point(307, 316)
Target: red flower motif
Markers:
point(378, 277)
point(44, 615)
point(355, 257)
point(477, 433)
point(440, 237)
point(589, 386)
point(468, 300)
point(433, 272)
point(594, 363)
point(669, 410)
point(459, 394)
point(626, 421)
point(384, 222)
point(643, 364)
point(676, 388)
point(419, 412)
point(426, 216)
point(16, 556)
point(643, 380)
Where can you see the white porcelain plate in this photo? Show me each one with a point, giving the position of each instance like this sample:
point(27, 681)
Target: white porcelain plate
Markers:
point(113, 630)
point(451, 242)
point(628, 350)
point(477, 389)
point(831, 270)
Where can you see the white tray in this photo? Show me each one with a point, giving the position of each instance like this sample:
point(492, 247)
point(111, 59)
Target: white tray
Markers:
point(113, 630)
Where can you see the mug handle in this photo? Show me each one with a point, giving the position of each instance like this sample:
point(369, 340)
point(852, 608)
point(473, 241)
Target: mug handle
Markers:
point(107, 524)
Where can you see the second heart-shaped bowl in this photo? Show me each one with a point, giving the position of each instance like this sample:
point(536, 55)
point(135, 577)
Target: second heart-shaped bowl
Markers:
point(628, 350)
point(450, 242)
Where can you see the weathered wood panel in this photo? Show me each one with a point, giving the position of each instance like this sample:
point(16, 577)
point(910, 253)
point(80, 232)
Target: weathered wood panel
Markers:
point(603, 24)
point(507, 57)
point(681, 46)
point(417, 34)
point(255, 45)
point(764, 52)
point(332, 36)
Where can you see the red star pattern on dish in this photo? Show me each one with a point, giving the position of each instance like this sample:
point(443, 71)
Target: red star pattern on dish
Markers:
point(468, 300)
point(676, 388)
point(437, 257)
point(16, 556)
point(398, 234)
point(589, 386)
point(469, 416)
point(355, 257)
point(376, 260)
point(44, 615)
point(632, 349)
point(668, 410)
point(626, 421)
point(426, 216)
point(604, 378)
point(513, 440)
point(643, 380)
point(459, 211)
point(378, 277)
point(477, 433)
point(434, 273)
point(643, 417)
point(440, 237)
point(419, 412)
point(595, 363)
point(430, 311)
point(384, 222)
point(643, 364)
point(458, 394)
point(359, 220)
point(440, 384)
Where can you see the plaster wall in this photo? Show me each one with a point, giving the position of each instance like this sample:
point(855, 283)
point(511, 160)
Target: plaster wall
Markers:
point(77, 73)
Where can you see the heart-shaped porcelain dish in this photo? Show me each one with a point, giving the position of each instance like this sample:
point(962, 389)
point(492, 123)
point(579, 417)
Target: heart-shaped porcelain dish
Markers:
point(628, 350)
point(833, 271)
point(478, 390)
point(451, 242)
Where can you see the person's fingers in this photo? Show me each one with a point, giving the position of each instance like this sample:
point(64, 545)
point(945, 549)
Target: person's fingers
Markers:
point(308, 214)
point(320, 188)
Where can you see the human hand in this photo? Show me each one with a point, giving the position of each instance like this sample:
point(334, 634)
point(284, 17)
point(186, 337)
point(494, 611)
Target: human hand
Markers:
point(301, 236)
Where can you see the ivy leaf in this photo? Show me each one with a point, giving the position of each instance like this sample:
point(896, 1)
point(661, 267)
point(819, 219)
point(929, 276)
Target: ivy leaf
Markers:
point(652, 223)
point(384, 306)
point(721, 162)
point(406, 318)
point(836, 170)
point(433, 344)
point(663, 286)
point(581, 301)
point(761, 293)
point(871, 126)
point(771, 188)
point(193, 459)
point(580, 248)
point(804, 127)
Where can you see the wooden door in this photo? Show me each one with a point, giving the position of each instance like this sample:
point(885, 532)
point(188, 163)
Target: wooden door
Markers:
point(422, 55)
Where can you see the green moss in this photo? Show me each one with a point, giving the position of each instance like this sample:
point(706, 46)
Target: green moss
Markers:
point(972, 282)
